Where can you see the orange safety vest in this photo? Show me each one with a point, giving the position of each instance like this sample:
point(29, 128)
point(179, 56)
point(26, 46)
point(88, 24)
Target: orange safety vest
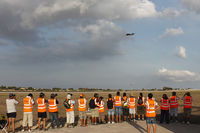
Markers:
point(142, 100)
point(187, 102)
point(82, 104)
point(152, 98)
point(28, 105)
point(52, 105)
point(101, 107)
point(118, 101)
point(125, 98)
point(164, 104)
point(150, 108)
point(71, 107)
point(42, 107)
point(173, 102)
point(131, 102)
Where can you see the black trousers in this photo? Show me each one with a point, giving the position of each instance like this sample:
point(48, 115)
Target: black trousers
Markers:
point(164, 116)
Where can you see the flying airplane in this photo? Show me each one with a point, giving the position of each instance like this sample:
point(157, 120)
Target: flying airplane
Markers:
point(130, 34)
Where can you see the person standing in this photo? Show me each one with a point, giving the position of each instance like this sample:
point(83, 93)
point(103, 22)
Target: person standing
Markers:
point(28, 102)
point(164, 109)
point(151, 107)
point(131, 103)
point(82, 109)
point(187, 99)
point(110, 107)
point(53, 110)
point(174, 107)
point(118, 107)
point(125, 108)
point(69, 104)
point(93, 104)
point(141, 106)
point(42, 111)
point(101, 110)
point(11, 111)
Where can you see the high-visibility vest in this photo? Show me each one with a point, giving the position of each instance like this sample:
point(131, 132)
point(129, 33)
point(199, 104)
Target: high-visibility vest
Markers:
point(101, 107)
point(82, 104)
point(118, 101)
point(131, 102)
point(173, 102)
point(42, 107)
point(187, 102)
point(52, 105)
point(125, 98)
point(28, 105)
point(150, 108)
point(164, 104)
point(143, 99)
point(71, 107)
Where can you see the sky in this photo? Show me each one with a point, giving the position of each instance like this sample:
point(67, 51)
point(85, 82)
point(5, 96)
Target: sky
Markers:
point(83, 43)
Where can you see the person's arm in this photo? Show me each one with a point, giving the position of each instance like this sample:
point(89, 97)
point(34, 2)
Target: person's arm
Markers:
point(16, 101)
point(32, 101)
point(157, 106)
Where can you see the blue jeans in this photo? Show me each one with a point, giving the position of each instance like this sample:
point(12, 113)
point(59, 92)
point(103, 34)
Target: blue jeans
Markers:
point(118, 110)
point(151, 120)
point(111, 112)
point(54, 116)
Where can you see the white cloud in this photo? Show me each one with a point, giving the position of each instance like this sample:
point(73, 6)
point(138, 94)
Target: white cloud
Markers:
point(181, 52)
point(172, 32)
point(193, 5)
point(169, 13)
point(178, 75)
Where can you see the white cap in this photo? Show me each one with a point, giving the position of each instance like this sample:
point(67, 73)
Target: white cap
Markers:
point(68, 96)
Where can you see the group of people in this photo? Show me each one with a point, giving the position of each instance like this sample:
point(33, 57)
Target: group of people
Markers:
point(116, 107)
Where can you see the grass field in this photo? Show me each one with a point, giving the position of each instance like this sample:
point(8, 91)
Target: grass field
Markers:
point(62, 95)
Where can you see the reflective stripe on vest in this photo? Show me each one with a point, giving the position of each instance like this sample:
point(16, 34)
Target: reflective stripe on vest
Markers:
point(150, 108)
point(101, 107)
point(41, 105)
point(71, 107)
point(187, 102)
point(164, 104)
point(82, 104)
point(131, 102)
point(173, 102)
point(118, 101)
point(52, 105)
point(28, 106)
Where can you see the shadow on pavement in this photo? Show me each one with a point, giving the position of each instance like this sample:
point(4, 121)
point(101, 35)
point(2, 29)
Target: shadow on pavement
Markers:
point(138, 127)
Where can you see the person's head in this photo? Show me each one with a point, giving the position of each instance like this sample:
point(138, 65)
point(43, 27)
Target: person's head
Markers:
point(124, 94)
point(188, 94)
point(30, 95)
point(11, 95)
point(69, 96)
point(118, 93)
point(52, 96)
point(164, 96)
point(109, 95)
point(41, 95)
point(173, 93)
point(101, 98)
point(96, 95)
point(150, 95)
point(141, 95)
point(81, 95)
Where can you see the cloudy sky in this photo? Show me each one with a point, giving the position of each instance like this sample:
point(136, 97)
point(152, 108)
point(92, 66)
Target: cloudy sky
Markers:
point(82, 43)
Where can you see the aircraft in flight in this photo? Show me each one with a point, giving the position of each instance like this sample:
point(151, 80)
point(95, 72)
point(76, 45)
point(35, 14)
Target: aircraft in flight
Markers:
point(130, 34)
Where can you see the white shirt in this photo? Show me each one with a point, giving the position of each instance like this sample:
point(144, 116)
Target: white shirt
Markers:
point(10, 104)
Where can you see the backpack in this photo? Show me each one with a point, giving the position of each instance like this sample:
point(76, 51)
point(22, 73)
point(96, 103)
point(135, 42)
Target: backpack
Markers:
point(140, 101)
point(66, 104)
point(110, 104)
point(92, 104)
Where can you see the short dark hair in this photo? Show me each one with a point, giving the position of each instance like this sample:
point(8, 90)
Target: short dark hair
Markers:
point(109, 95)
point(42, 95)
point(95, 95)
point(118, 93)
point(150, 95)
point(124, 94)
point(164, 96)
point(101, 98)
point(188, 93)
point(173, 93)
point(30, 95)
point(141, 94)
